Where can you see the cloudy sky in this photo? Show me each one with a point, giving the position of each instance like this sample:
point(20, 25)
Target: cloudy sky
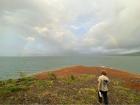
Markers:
point(65, 27)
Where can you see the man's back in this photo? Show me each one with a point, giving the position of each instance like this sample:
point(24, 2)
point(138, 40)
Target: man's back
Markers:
point(103, 83)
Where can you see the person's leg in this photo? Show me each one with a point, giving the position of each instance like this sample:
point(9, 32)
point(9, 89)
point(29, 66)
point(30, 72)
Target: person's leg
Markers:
point(105, 97)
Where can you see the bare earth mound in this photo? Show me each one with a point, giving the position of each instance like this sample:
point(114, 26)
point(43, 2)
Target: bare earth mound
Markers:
point(130, 80)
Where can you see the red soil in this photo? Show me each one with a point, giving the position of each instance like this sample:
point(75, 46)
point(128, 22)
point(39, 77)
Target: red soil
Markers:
point(130, 80)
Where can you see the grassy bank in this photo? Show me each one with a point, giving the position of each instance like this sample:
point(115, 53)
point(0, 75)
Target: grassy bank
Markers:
point(71, 89)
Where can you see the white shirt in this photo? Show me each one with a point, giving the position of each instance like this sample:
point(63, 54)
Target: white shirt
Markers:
point(103, 83)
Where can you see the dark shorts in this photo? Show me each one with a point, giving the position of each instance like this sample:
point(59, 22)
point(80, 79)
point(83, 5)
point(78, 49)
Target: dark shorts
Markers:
point(104, 98)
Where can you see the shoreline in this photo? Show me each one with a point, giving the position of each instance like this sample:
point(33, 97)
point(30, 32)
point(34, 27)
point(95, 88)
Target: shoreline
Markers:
point(131, 80)
point(77, 83)
point(65, 67)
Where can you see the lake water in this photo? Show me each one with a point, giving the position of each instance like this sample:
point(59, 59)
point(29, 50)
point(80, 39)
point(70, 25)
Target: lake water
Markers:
point(11, 66)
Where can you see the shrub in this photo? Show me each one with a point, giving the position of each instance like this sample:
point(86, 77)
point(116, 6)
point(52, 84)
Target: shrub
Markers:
point(72, 77)
point(51, 76)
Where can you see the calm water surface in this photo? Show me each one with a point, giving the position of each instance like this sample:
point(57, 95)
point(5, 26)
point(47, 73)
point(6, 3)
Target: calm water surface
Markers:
point(11, 66)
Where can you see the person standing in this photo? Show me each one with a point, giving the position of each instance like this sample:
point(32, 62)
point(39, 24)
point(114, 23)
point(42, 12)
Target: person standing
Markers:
point(103, 82)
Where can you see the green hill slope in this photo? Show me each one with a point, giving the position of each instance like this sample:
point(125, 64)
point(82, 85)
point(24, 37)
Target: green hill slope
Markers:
point(68, 90)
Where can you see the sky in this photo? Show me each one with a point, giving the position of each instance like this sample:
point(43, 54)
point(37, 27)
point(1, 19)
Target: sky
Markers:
point(67, 27)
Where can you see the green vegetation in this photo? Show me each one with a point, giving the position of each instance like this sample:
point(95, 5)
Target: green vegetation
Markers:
point(51, 76)
point(68, 90)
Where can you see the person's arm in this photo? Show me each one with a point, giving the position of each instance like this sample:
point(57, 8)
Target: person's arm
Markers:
point(99, 84)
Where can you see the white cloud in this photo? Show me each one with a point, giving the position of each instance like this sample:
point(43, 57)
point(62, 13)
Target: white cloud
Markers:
point(40, 30)
point(30, 39)
point(64, 26)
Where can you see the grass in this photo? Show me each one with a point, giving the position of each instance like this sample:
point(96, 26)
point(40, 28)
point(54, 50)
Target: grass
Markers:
point(69, 90)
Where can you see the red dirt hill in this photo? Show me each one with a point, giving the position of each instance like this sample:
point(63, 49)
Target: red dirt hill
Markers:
point(131, 80)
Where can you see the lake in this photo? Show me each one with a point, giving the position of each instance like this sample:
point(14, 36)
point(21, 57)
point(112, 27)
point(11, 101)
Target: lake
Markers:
point(10, 67)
